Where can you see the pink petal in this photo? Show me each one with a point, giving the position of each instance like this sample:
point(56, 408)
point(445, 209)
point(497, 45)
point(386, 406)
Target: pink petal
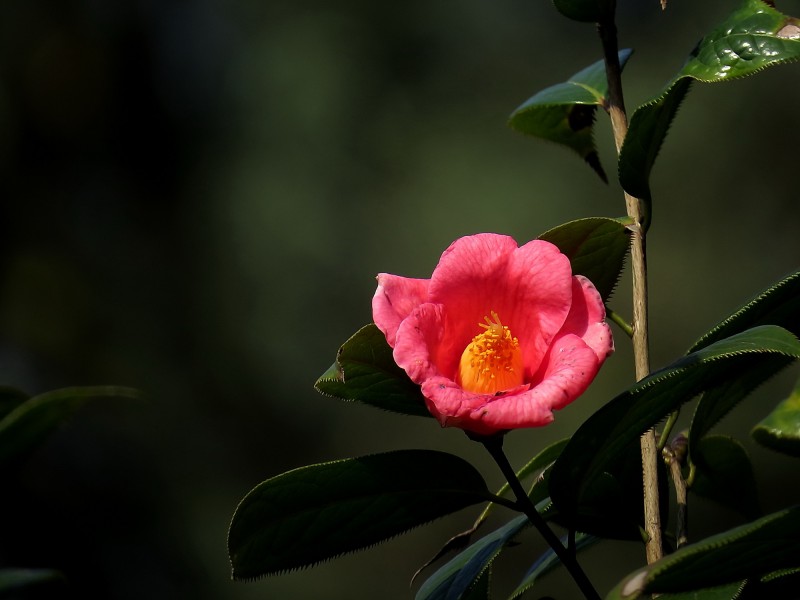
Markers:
point(586, 316)
point(421, 340)
point(529, 287)
point(394, 300)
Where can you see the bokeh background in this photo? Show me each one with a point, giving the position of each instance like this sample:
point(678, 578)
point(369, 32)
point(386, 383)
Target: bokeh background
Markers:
point(195, 198)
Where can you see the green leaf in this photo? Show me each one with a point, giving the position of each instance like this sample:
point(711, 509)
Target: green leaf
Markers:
point(724, 474)
point(580, 476)
point(753, 37)
point(365, 371)
point(548, 562)
point(29, 583)
point(457, 576)
point(752, 550)
point(586, 11)
point(729, 591)
point(28, 425)
point(596, 248)
point(779, 304)
point(780, 430)
point(564, 113)
point(321, 511)
point(10, 399)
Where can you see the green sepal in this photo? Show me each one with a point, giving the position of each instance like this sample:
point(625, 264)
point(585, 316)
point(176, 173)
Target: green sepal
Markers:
point(564, 113)
point(31, 421)
point(749, 551)
point(596, 248)
point(582, 481)
point(780, 429)
point(365, 371)
point(321, 511)
point(724, 474)
point(753, 37)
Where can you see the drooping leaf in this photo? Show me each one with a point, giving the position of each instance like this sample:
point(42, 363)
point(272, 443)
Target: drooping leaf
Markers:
point(749, 551)
point(453, 580)
point(753, 37)
point(314, 513)
point(564, 113)
point(548, 562)
point(612, 433)
point(779, 304)
point(27, 425)
point(724, 474)
point(780, 430)
point(596, 247)
point(365, 371)
point(19, 584)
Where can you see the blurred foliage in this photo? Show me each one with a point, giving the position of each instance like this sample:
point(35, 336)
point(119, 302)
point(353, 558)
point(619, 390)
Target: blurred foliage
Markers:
point(197, 196)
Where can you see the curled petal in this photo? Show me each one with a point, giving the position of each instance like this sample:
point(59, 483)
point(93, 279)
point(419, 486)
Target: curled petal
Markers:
point(394, 300)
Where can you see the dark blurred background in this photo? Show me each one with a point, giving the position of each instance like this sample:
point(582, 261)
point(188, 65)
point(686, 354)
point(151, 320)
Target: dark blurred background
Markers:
point(195, 198)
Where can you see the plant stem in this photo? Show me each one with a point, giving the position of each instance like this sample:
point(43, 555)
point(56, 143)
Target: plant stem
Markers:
point(635, 207)
point(495, 447)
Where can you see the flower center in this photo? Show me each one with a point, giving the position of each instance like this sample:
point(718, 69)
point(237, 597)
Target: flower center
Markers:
point(492, 362)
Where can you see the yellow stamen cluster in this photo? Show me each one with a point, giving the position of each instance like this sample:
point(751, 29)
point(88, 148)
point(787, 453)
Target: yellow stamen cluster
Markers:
point(492, 362)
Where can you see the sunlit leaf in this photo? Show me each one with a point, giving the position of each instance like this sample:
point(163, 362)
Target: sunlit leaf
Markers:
point(596, 247)
point(29, 424)
point(321, 511)
point(753, 37)
point(724, 474)
point(749, 551)
point(365, 371)
point(564, 113)
point(612, 433)
point(458, 575)
point(780, 430)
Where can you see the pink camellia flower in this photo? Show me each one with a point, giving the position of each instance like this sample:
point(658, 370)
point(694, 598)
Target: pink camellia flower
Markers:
point(499, 336)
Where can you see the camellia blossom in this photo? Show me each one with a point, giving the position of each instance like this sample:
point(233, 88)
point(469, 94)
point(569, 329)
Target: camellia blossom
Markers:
point(499, 336)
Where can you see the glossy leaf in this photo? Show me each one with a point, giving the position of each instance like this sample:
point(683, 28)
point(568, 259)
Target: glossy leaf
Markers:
point(753, 37)
point(752, 550)
point(365, 371)
point(779, 304)
point(596, 247)
point(548, 562)
point(724, 474)
point(579, 478)
point(564, 113)
point(27, 425)
point(780, 430)
point(453, 580)
point(19, 584)
point(321, 511)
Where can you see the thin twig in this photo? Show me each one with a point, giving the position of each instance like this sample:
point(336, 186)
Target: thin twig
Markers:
point(616, 109)
point(673, 460)
point(495, 447)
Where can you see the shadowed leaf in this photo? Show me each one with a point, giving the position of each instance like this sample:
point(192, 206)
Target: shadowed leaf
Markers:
point(780, 430)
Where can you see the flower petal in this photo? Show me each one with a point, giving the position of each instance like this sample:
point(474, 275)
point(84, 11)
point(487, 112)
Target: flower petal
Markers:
point(586, 316)
point(421, 340)
point(394, 300)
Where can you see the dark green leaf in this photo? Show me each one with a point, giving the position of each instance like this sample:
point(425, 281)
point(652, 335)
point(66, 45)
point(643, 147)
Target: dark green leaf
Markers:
point(752, 550)
point(612, 433)
point(365, 371)
point(753, 37)
point(19, 584)
point(548, 562)
point(564, 113)
point(724, 474)
point(596, 248)
point(779, 304)
point(28, 425)
point(321, 511)
point(729, 591)
point(10, 399)
point(586, 11)
point(454, 579)
point(780, 430)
